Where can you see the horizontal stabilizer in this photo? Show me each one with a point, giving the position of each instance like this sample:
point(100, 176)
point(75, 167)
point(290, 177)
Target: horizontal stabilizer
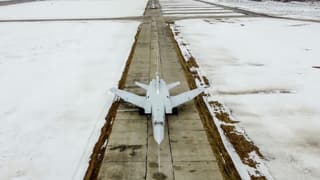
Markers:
point(185, 97)
point(130, 97)
point(173, 85)
point(143, 86)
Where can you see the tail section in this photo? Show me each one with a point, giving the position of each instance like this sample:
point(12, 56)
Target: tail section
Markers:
point(141, 85)
point(173, 85)
point(157, 82)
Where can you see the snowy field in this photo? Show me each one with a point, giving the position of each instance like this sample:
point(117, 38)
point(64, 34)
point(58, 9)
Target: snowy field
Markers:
point(307, 10)
point(55, 79)
point(73, 9)
point(265, 71)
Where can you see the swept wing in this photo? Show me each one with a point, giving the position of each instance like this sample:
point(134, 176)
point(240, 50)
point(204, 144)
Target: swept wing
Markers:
point(130, 97)
point(184, 97)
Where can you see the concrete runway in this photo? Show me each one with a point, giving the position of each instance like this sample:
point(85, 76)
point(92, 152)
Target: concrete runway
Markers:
point(132, 152)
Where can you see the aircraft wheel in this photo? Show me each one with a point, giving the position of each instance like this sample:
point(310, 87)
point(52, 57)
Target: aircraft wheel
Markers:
point(141, 111)
point(175, 111)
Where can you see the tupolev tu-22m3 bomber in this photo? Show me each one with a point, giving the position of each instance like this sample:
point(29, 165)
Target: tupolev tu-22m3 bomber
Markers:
point(157, 102)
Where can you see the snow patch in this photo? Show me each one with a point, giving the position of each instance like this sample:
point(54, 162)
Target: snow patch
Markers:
point(55, 79)
point(284, 126)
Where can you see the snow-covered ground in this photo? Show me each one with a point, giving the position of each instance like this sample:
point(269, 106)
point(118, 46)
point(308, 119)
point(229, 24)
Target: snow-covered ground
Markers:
point(73, 9)
point(55, 79)
point(307, 10)
point(262, 69)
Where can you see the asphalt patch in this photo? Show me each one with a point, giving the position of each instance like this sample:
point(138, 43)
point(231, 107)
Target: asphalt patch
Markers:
point(153, 164)
point(159, 176)
point(123, 148)
point(316, 67)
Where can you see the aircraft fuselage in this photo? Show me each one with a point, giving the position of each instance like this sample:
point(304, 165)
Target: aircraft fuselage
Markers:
point(159, 104)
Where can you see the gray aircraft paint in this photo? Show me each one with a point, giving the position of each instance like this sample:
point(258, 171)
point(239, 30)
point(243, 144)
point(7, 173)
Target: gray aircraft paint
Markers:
point(157, 102)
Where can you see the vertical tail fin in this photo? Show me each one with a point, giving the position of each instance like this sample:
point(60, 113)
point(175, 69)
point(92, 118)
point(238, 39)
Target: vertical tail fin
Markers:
point(157, 82)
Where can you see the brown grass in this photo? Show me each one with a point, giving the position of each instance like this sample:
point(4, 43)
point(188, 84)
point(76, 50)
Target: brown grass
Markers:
point(206, 80)
point(238, 140)
point(220, 112)
point(241, 145)
point(192, 63)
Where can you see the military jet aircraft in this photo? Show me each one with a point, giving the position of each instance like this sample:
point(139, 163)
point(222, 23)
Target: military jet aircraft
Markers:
point(157, 102)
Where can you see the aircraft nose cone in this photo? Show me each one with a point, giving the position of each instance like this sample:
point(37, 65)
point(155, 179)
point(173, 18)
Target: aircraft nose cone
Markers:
point(158, 133)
